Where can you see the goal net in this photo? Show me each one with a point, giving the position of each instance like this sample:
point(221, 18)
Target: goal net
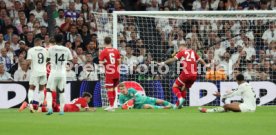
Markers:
point(231, 42)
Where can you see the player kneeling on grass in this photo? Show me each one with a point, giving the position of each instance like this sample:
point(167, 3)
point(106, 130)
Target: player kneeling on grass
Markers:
point(244, 90)
point(140, 102)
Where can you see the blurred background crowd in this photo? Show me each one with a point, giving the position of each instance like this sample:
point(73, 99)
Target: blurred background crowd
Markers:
point(230, 46)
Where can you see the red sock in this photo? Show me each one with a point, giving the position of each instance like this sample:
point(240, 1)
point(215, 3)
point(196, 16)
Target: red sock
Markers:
point(111, 97)
point(184, 93)
point(44, 109)
point(177, 92)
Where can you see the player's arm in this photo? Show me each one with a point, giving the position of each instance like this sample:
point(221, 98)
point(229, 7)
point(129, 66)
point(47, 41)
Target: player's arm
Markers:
point(175, 58)
point(101, 58)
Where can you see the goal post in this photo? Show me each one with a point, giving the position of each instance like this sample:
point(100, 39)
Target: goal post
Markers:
point(232, 42)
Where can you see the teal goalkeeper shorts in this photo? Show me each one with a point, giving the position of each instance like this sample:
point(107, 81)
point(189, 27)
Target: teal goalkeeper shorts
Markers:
point(147, 100)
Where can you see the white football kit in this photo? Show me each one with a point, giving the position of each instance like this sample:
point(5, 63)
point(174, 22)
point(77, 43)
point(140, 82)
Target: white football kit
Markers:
point(59, 55)
point(248, 95)
point(38, 56)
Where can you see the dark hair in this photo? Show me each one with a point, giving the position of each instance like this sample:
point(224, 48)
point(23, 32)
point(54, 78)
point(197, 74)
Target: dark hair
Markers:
point(58, 38)
point(61, 10)
point(107, 40)
point(240, 77)
point(86, 94)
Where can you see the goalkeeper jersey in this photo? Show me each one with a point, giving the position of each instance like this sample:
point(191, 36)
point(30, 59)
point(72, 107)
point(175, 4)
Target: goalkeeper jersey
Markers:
point(132, 94)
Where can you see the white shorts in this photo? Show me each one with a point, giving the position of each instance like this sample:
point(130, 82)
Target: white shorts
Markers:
point(56, 82)
point(38, 80)
point(246, 108)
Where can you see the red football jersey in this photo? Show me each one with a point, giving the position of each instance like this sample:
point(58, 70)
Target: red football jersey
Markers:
point(189, 60)
point(80, 103)
point(111, 57)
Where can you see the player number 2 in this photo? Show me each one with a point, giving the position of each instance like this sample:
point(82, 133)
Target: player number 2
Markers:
point(40, 57)
point(112, 59)
point(190, 56)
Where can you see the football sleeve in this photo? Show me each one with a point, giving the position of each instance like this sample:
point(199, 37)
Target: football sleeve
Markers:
point(102, 55)
point(179, 55)
point(70, 57)
point(29, 54)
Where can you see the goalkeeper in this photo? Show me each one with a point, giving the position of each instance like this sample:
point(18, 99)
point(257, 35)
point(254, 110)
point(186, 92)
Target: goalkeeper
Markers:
point(244, 90)
point(141, 102)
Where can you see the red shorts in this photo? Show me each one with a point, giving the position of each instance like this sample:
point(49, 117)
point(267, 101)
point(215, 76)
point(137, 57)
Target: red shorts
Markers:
point(71, 108)
point(111, 82)
point(186, 80)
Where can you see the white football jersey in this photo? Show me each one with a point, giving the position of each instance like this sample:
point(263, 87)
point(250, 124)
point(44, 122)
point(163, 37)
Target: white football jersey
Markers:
point(59, 55)
point(38, 55)
point(246, 92)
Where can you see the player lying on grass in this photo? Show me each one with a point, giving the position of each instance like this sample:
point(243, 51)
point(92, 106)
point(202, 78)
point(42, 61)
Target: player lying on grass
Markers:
point(141, 102)
point(244, 90)
point(77, 105)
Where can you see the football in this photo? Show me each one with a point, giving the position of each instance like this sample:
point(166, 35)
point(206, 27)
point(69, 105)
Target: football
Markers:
point(128, 105)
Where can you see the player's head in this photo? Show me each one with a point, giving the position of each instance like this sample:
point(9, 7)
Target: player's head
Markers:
point(181, 46)
point(58, 39)
point(239, 78)
point(122, 88)
point(107, 41)
point(37, 42)
point(87, 96)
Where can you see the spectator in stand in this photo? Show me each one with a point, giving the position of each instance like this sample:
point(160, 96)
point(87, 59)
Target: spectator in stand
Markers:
point(2, 41)
point(227, 64)
point(14, 42)
point(85, 12)
point(89, 72)
point(250, 73)
point(30, 39)
point(71, 36)
point(153, 6)
point(25, 30)
point(129, 59)
point(91, 49)
point(60, 19)
point(271, 51)
point(10, 51)
point(4, 76)
point(5, 59)
point(38, 11)
point(10, 33)
point(22, 48)
point(269, 34)
point(43, 33)
point(80, 55)
point(70, 74)
point(22, 74)
point(71, 12)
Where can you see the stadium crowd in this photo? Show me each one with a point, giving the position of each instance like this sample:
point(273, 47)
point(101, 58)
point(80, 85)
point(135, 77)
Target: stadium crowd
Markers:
point(230, 46)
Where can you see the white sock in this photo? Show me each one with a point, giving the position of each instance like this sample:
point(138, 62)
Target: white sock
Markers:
point(218, 109)
point(62, 101)
point(30, 95)
point(40, 98)
point(49, 100)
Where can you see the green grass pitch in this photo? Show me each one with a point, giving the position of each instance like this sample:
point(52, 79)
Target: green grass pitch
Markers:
point(187, 121)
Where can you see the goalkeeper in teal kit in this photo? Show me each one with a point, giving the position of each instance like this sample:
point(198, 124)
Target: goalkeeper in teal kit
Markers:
point(141, 102)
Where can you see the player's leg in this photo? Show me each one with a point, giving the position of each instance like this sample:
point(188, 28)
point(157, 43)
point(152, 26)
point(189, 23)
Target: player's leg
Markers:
point(178, 84)
point(227, 107)
point(151, 106)
point(235, 107)
point(60, 88)
point(42, 82)
point(111, 93)
point(50, 86)
point(32, 83)
point(164, 103)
